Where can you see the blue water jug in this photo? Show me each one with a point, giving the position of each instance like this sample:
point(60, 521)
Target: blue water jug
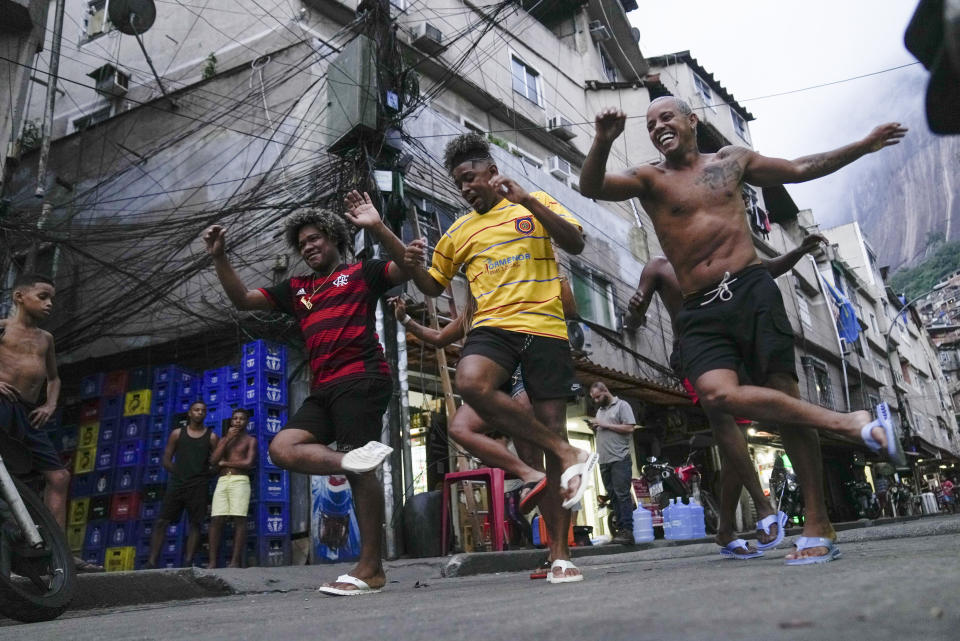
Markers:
point(672, 523)
point(682, 526)
point(642, 525)
point(696, 517)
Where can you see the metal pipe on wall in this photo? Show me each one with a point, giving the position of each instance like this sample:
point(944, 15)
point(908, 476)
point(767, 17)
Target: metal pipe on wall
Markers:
point(52, 80)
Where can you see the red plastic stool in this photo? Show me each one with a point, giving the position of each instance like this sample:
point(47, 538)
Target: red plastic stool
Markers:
point(494, 480)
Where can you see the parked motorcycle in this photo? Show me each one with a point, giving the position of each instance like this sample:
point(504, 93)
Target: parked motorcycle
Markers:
point(667, 483)
point(786, 488)
point(863, 499)
point(37, 572)
point(899, 500)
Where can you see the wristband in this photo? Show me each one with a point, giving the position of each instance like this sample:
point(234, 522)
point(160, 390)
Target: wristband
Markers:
point(406, 319)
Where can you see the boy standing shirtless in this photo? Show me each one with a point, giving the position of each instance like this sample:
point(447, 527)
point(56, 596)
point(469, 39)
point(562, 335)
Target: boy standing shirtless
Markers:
point(234, 457)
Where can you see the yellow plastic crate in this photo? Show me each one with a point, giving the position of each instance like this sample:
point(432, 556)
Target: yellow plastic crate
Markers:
point(84, 460)
point(79, 508)
point(120, 559)
point(137, 402)
point(75, 536)
point(87, 435)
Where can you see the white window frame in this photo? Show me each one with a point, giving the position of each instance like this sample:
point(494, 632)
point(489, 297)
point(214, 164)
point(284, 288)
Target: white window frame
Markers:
point(530, 70)
point(704, 91)
point(105, 25)
point(525, 156)
point(596, 281)
point(606, 63)
point(740, 125)
point(472, 125)
point(108, 108)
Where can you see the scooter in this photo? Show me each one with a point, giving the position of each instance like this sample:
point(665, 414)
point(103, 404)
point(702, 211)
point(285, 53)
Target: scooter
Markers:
point(37, 572)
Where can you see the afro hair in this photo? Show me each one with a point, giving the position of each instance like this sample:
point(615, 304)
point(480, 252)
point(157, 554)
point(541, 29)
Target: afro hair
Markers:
point(329, 223)
point(471, 146)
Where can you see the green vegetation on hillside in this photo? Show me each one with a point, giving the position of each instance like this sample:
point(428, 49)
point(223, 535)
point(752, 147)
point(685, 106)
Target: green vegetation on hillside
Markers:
point(924, 275)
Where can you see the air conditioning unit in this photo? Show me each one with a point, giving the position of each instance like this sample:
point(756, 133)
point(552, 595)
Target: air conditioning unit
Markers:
point(560, 127)
point(110, 81)
point(428, 38)
point(559, 168)
point(599, 31)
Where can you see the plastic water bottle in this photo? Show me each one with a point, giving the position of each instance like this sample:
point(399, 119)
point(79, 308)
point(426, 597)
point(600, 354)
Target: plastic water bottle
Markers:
point(699, 529)
point(667, 513)
point(682, 526)
point(642, 525)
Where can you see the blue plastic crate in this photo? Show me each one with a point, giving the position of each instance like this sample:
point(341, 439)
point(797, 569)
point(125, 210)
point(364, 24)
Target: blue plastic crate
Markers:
point(141, 560)
point(106, 456)
point(232, 374)
point(66, 438)
point(139, 378)
point(91, 386)
point(127, 479)
point(233, 392)
point(131, 453)
point(182, 404)
point(154, 475)
point(160, 423)
point(81, 485)
point(178, 529)
point(94, 555)
point(121, 534)
point(273, 485)
point(263, 453)
point(154, 457)
point(109, 430)
point(170, 374)
point(99, 507)
point(170, 561)
point(273, 551)
point(149, 510)
point(102, 482)
point(96, 534)
point(263, 356)
point(273, 518)
point(111, 406)
point(212, 395)
point(267, 419)
point(264, 387)
point(156, 441)
point(134, 428)
point(215, 377)
point(188, 387)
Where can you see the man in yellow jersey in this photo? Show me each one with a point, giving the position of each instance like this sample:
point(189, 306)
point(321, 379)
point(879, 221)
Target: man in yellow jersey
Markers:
point(505, 248)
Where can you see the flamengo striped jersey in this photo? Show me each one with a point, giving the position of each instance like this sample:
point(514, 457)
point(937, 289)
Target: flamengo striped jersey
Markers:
point(509, 262)
point(339, 328)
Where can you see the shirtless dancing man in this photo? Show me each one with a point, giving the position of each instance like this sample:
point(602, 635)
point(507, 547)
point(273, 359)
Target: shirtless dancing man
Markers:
point(733, 314)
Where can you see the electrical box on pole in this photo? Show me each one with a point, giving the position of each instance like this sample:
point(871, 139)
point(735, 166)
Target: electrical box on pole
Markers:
point(352, 95)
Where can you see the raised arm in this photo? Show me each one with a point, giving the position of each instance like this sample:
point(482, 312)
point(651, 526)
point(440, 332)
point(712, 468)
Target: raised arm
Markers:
point(563, 233)
point(766, 172)
point(641, 299)
point(453, 331)
point(242, 298)
point(783, 263)
point(595, 182)
point(361, 212)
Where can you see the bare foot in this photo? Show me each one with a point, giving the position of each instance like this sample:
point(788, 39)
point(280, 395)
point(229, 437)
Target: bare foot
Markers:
point(724, 540)
point(559, 573)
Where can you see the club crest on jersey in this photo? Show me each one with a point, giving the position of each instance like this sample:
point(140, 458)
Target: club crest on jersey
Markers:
point(524, 225)
point(340, 280)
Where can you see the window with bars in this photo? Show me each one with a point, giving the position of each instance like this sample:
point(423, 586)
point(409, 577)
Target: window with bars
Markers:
point(526, 80)
point(704, 91)
point(818, 382)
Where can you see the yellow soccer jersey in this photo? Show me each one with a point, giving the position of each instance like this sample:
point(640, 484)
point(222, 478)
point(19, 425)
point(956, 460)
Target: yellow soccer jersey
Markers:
point(510, 265)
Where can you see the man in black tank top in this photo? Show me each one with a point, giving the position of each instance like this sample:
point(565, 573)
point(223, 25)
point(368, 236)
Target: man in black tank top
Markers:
point(187, 458)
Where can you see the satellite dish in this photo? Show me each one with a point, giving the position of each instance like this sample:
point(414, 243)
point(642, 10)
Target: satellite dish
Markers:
point(132, 17)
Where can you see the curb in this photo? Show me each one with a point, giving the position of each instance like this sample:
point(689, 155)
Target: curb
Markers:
point(115, 589)
point(475, 563)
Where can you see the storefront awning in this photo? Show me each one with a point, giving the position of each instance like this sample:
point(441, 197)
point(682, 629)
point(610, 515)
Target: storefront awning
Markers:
point(658, 393)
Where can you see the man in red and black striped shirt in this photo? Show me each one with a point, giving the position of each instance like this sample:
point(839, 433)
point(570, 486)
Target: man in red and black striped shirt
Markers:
point(351, 384)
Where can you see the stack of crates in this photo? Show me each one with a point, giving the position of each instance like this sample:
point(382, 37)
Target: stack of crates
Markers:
point(108, 467)
point(264, 393)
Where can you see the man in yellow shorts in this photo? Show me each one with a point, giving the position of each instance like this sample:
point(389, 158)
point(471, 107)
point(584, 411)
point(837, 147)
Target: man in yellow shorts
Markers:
point(234, 456)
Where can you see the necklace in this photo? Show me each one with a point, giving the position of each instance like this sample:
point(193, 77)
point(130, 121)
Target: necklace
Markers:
point(305, 300)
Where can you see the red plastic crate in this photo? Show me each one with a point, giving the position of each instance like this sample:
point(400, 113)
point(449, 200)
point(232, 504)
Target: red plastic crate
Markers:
point(125, 506)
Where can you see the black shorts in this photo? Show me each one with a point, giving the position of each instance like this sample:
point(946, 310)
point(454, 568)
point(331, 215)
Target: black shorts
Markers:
point(192, 498)
point(514, 385)
point(15, 422)
point(546, 364)
point(348, 413)
point(745, 331)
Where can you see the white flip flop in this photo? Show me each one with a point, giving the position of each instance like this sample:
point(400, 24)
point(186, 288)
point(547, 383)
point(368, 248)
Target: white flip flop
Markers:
point(366, 458)
point(564, 565)
point(894, 450)
point(362, 587)
point(584, 471)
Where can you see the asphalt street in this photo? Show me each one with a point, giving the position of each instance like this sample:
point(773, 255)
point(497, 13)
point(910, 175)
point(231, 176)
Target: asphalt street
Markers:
point(898, 581)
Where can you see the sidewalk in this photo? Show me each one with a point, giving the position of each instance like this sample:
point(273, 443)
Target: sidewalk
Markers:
point(117, 589)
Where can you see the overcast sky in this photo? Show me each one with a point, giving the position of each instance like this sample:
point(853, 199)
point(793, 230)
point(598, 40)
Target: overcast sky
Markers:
point(761, 47)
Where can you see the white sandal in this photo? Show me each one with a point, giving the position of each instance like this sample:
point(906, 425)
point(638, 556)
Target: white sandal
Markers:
point(366, 458)
point(584, 471)
point(362, 587)
point(564, 565)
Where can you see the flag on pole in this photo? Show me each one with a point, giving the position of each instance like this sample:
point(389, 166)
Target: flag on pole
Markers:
point(847, 324)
